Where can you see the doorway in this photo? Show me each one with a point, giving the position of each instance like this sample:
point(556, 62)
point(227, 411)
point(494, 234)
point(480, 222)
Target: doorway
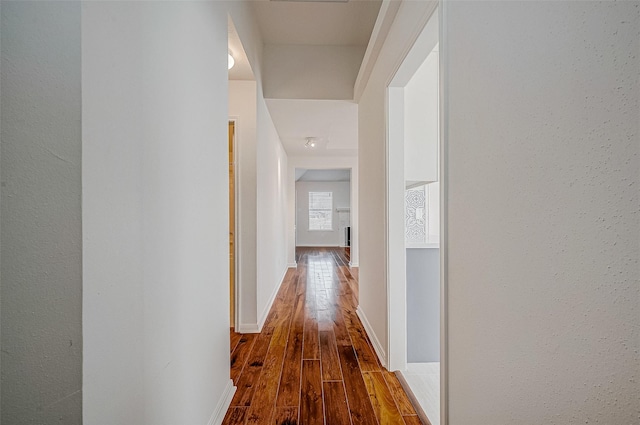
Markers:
point(323, 208)
point(413, 232)
point(232, 225)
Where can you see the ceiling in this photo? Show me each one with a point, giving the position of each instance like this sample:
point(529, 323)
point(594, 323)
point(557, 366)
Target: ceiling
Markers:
point(333, 122)
point(300, 23)
point(339, 175)
point(317, 22)
point(241, 70)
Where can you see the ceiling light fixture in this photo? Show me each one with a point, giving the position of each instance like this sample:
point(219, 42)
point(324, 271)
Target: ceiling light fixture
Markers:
point(231, 61)
point(311, 142)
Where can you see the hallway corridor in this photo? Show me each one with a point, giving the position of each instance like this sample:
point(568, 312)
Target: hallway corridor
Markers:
point(313, 363)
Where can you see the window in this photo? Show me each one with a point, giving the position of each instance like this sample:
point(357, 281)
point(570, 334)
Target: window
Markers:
point(320, 210)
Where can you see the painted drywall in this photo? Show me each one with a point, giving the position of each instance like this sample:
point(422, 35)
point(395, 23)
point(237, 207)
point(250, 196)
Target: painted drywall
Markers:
point(41, 245)
point(341, 199)
point(372, 166)
point(421, 123)
point(320, 163)
point(263, 181)
point(242, 107)
point(311, 72)
point(542, 153)
point(155, 212)
point(271, 210)
point(423, 305)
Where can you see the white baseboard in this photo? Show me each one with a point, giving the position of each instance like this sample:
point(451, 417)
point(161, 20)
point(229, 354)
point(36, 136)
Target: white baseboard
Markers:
point(382, 355)
point(267, 308)
point(256, 328)
point(248, 328)
point(292, 265)
point(223, 404)
point(320, 245)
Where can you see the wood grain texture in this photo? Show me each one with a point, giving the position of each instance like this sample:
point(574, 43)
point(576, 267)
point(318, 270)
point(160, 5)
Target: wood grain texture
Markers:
point(286, 416)
point(357, 395)
point(412, 420)
point(335, 402)
point(240, 354)
point(311, 407)
point(329, 356)
point(382, 401)
point(403, 402)
point(235, 416)
point(313, 362)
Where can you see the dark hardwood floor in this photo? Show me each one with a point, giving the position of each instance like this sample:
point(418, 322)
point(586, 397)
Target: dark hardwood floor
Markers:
point(313, 363)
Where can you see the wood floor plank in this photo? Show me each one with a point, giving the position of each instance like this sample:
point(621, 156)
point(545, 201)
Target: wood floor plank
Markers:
point(311, 348)
point(235, 416)
point(234, 339)
point(263, 403)
point(240, 354)
point(399, 395)
point(412, 420)
point(329, 357)
point(251, 371)
point(289, 390)
point(357, 395)
point(335, 402)
point(311, 405)
point(286, 416)
point(313, 363)
point(382, 401)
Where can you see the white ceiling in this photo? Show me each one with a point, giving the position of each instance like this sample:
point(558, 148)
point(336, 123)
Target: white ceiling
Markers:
point(242, 69)
point(333, 122)
point(317, 23)
point(339, 175)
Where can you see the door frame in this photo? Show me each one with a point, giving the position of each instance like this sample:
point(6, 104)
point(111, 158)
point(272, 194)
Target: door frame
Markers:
point(236, 285)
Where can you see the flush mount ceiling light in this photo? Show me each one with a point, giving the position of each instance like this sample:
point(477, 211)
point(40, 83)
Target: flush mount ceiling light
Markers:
point(231, 61)
point(311, 142)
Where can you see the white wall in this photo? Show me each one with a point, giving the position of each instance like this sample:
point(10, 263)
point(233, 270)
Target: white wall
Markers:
point(155, 212)
point(263, 197)
point(311, 72)
point(242, 106)
point(41, 241)
point(542, 152)
point(421, 123)
point(271, 211)
point(372, 151)
point(320, 163)
point(341, 199)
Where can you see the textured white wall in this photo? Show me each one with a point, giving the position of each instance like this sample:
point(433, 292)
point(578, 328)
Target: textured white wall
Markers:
point(341, 198)
point(242, 105)
point(543, 211)
point(41, 245)
point(156, 215)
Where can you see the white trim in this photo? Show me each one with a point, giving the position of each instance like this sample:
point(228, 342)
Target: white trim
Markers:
point(443, 10)
point(267, 308)
point(320, 245)
point(255, 328)
point(248, 328)
point(382, 356)
point(386, 15)
point(223, 404)
point(354, 264)
point(292, 265)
